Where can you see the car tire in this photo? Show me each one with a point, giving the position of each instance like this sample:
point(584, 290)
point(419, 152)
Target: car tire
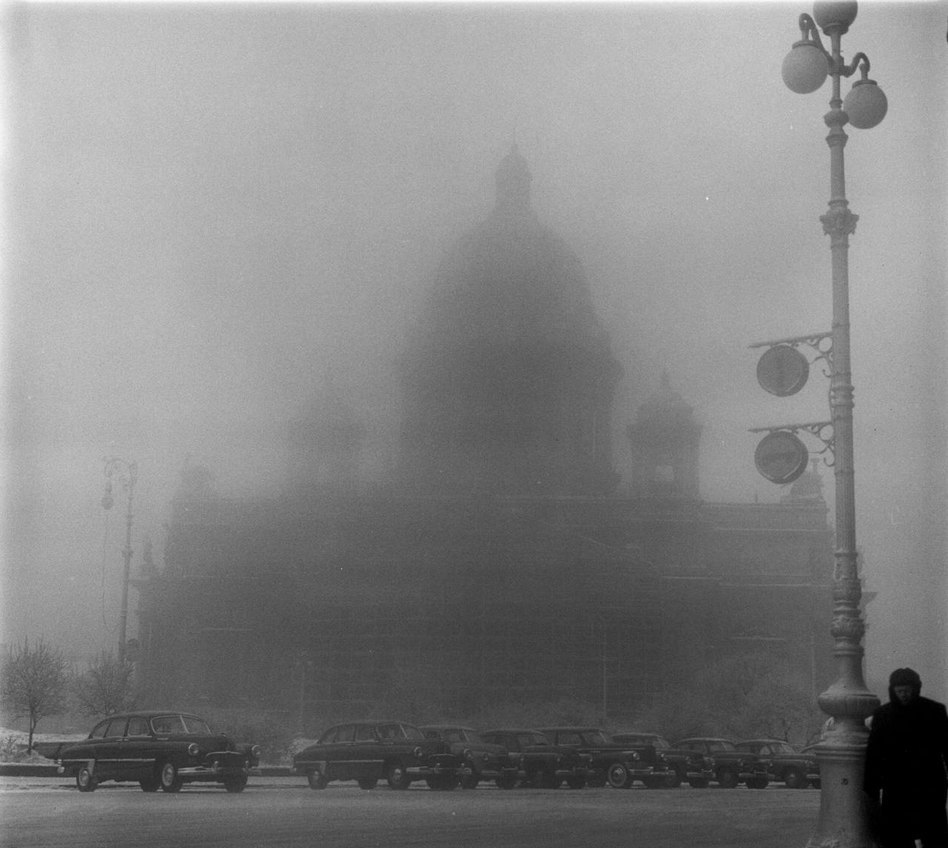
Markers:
point(674, 780)
point(236, 784)
point(470, 781)
point(576, 782)
point(368, 783)
point(816, 784)
point(396, 775)
point(698, 782)
point(617, 776)
point(169, 778)
point(793, 778)
point(757, 783)
point(656, 782)
point(152, 784)
point(442, 783)
point(316, 780)
point(728, 779)
point(86, 780)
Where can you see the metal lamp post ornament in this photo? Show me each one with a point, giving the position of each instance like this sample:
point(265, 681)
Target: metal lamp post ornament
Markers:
point(843, 820)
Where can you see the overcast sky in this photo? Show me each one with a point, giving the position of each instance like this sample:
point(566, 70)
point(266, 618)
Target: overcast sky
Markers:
point(213, 212)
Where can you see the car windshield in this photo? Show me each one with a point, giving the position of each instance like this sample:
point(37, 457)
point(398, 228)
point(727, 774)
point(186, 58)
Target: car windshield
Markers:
point(179, 724)
point(595, 737)
point(721, 745)
point(399, 731)
point(532, 739)
point(782, 748)
point(659, 742)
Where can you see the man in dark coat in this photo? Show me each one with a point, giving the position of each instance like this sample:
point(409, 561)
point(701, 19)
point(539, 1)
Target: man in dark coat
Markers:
point(907, 765)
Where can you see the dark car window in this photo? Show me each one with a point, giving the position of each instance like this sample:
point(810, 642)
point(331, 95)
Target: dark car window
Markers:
point(721, 745)
point(596, 737)
point(196, 726)
point(569, 738)
point(391, 731)
point(116, 727)
point(532, 739)
point(364, 733)
point(98, 732)
point(168, 724)
point(328, 736)
point(137, 726)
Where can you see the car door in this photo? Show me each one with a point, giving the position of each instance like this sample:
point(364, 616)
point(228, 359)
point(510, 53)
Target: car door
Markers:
point(365, 760)
point(339, 764)
point(138, 749)
point(109, 756)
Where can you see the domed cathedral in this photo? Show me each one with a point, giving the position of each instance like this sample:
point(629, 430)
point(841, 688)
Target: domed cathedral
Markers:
point(503, 565)
point(509, 380)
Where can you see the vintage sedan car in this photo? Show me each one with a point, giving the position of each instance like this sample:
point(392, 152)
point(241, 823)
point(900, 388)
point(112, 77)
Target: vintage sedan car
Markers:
point(731, 767)
point(690, 766)
point(161, 749)
point(795, 769)
point(543, 765)
point(480, 759)
point(617, 765)
point(368, 751)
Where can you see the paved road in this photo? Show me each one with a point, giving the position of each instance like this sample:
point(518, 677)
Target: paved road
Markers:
point(42, 813)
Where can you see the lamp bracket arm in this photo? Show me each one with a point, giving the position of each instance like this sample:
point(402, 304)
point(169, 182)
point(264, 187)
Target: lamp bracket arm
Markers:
point(859, 61)
point(810, 32)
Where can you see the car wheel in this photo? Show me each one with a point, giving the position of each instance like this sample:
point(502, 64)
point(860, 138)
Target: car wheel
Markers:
point(235, 784)
point(674, 780)
point(170, 779)
point(816, 784)
point(506, 782)
point(367, 783)
point(150, 785)
point(85, 780)
point(546, 779)
point(617, 776)
point(470, 781)
point(397, 776)
point(728, 779)
point(316, 780)
point(757, 783)
point(575, 782)
point(656, 782)
point(794, 779)
point(442, 782)
point(698, 783)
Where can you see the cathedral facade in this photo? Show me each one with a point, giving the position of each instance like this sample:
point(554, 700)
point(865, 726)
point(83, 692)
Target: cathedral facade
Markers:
point(503, 562)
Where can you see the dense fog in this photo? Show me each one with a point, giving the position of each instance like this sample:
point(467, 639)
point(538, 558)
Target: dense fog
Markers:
point(222, 218)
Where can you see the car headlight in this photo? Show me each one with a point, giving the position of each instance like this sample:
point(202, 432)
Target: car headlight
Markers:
point(418, 753)
point(466, 753)
point(193, 749)
point(255, 752)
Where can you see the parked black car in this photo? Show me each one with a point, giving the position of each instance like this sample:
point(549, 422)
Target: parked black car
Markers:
point(542, 764)
point(731, 767)
point(794, 768)
point(480, 759)
point(685, 765)
point(163, 749)
point(367, 751)
point(617, 765)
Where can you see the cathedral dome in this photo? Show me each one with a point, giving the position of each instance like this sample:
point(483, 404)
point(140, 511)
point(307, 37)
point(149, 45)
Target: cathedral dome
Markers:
point(509, 377)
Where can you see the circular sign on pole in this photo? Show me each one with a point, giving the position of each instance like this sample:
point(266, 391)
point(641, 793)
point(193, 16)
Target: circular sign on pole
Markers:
point(781, 457)
point(782, 370)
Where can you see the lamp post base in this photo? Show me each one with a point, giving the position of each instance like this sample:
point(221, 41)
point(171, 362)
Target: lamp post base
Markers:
point(844, 814)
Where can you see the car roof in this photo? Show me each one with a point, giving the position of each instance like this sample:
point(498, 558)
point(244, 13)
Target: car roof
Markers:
point(573, 727)
point(446, 727)
point(513, 730)
point(151, 714)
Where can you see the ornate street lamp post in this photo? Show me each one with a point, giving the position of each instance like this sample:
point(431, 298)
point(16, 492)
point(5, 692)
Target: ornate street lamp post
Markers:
point(127, 473)
point(842, 820)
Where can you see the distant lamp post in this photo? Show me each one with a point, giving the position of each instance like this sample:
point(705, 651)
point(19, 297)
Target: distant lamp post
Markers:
point(127, 474)
point(842, 820)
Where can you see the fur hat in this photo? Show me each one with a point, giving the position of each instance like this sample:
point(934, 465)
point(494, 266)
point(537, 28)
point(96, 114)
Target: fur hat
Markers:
point(905, 677)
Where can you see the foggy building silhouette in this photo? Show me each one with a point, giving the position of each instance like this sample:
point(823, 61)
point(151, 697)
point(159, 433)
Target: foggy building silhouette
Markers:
point(503, 562)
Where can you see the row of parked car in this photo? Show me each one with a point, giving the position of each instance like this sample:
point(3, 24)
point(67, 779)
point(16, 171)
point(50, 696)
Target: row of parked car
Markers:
point(164, 750)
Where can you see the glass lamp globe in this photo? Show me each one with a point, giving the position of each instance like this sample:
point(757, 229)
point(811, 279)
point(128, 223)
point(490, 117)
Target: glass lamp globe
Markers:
point(805, 67)
point(834, 13)
point(866, 104)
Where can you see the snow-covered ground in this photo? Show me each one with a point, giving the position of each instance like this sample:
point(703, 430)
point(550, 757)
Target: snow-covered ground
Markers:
point(13, 744)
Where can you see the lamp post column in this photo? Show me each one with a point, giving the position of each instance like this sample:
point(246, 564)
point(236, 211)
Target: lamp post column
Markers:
point(130, 474)
point(843, 820)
